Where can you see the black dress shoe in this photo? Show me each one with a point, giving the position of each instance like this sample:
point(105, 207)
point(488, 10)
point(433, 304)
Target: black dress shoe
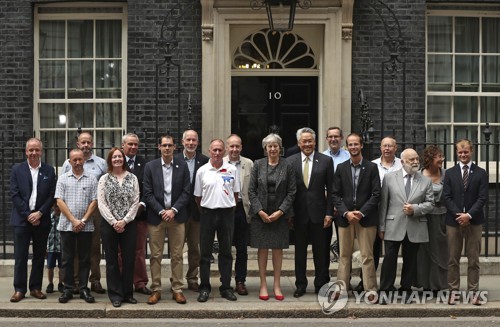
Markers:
point(203, 296)
point(117, 303)
point(85, 295)
point(66, 296)
point(228, 295)
point(144, 290)
point(130, 299)
point(50, 288)
point(299, 292)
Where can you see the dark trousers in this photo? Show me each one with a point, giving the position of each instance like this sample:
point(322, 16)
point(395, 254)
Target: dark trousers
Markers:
point(22, 237)
point(222, 222)
point(316, 234)
point(120, 283)
point(70, 244)
point(240, 242)
point(328, 240)
point(389, 266)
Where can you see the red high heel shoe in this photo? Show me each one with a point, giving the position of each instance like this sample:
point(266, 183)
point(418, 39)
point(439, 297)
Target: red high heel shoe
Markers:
point(264, 297)
point(279, 297)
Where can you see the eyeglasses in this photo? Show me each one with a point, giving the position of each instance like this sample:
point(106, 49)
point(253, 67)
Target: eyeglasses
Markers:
point(167, 145)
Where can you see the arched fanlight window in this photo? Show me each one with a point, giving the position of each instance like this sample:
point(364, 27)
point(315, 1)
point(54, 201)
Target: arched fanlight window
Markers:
point(268, 49)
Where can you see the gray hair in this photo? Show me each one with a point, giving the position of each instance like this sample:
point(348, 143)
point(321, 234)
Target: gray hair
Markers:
point(272, 138)
point(303, 130)
point(126, 136)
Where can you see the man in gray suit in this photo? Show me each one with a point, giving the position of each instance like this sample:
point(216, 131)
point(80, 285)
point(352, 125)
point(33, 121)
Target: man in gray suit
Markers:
point(405, 200)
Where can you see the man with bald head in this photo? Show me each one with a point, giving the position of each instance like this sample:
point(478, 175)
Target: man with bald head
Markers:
point(405, 200)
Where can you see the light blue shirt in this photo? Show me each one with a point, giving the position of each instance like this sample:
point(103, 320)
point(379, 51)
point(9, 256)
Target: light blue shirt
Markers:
point(338, 158)
point(95, 165)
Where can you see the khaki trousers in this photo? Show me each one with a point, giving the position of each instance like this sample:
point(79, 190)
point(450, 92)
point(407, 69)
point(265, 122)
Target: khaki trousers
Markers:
point(193, 243)
point(176, 237)
point(366, 238)
point(472, 235)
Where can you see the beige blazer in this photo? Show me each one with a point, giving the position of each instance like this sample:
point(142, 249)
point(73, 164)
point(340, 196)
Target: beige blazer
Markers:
point(246, 169)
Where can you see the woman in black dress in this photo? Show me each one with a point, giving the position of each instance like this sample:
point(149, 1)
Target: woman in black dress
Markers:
point(271, 192)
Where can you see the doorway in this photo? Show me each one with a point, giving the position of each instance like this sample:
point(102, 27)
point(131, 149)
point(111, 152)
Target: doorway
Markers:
point(261, 104)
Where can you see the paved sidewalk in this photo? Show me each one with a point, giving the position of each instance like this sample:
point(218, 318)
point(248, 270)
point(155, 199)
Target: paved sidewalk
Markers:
point(245, 307)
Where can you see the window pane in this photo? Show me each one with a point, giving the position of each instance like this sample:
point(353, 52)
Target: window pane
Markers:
point(438, 109)
point(440, 134)
point(439, 36)
point(108, 115)
point(52, 115)
point(491, 73)
point(108, 39)
point(467, 73)
point(80, 79)
point(51, 41)
point(108, 79)
point(439, 68)
point(80, 36)
point(80, 115)
point(467, 35)
point(490, 109)
point(51, 79)
point(466, 132)
point(108, 139)
point(491, 35)
point(465, 110)
point(54, 149)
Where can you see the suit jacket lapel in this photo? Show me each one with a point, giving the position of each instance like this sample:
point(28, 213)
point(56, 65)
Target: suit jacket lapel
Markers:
point(416, 181)
point(401, 182)
point(314, 167)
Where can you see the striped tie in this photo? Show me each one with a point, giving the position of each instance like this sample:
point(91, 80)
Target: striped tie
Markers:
point(465, 176)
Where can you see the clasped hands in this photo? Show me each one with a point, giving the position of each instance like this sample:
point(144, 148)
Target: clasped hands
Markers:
point(270, 218)
point(34, 218)
point(168, 215)
point(353, 217)
point(463, 219)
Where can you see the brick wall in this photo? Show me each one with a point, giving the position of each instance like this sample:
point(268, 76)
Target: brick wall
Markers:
point(369, 52)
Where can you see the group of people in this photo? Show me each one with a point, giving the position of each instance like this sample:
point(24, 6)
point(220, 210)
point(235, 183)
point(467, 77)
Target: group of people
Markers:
point(194, 199)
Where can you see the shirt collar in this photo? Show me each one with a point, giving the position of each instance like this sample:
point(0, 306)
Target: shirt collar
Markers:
point(303, 156)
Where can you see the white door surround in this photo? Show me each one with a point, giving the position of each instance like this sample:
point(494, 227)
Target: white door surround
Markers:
point(326, 26)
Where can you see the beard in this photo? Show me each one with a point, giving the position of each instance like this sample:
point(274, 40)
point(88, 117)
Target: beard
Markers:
point(410, 169)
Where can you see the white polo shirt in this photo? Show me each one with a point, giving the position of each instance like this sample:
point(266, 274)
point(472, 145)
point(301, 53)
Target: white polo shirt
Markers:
point(216, 187)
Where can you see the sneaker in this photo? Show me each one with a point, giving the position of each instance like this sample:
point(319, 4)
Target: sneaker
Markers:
point(50, 288)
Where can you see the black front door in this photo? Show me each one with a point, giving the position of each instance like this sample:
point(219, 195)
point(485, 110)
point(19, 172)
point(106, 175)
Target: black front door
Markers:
point(259, 104)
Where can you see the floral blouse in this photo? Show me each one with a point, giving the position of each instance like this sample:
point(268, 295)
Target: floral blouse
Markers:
point(117, 200)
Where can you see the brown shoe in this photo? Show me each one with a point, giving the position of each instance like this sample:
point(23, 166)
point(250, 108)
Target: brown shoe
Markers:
point(241, 289)
point(179, 297)
point(154, 298)
point(38, 294)
point(194, 287)
point(97, 287)
point(16, 297)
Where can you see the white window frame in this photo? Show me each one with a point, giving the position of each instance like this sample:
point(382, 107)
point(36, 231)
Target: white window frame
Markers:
point(479, 94)
point(124, 60)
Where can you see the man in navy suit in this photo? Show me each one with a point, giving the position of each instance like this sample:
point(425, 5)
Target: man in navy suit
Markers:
point(313, 211)
point(356, 195)
point(465, 192)
point(135, 164)
point(166, 190)
point(194, 161)
point(32, 188)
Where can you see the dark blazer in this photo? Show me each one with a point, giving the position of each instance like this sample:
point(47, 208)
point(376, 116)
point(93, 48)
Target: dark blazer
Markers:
point(367, 193)
point(200, 160)
point(285, 187)
point(310, 203)
point(153, 190)
point(21, 186)
point(139, 164)
point(472, 199)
